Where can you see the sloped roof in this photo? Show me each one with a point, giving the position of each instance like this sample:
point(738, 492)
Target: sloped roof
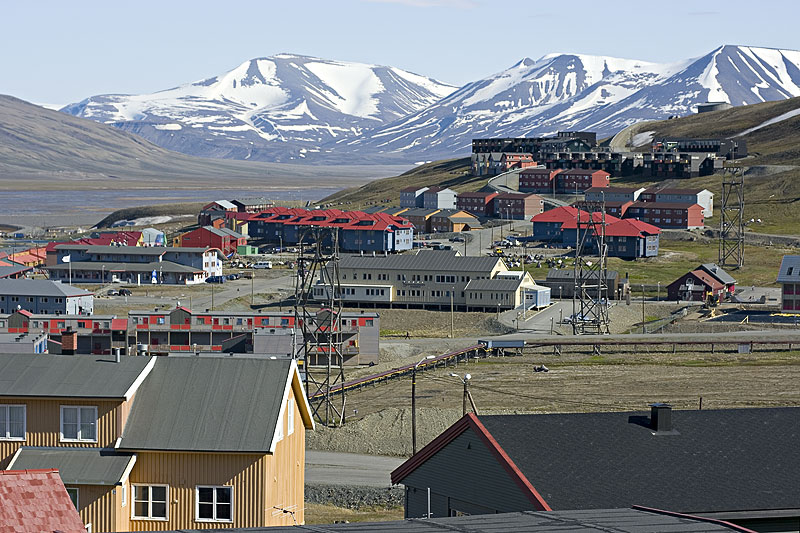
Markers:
point(495, 284)
point(36, 501)
point(558, 214)
point(666, 205)
point(708, 279)
point(583, 172)
point(71, 376)
point(39, 287)
point(710, 461)
point(219, 404)
point(108, 266)
point(789, 262)
point(77, 466)
point(431, 260)
point(747, 458)
point(628, 227)
point(718, 272)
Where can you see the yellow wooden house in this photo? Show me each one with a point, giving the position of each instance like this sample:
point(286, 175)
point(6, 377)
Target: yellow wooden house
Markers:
point(161, 443)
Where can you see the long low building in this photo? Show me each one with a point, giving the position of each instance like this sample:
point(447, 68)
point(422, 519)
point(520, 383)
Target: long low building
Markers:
point(81, 263)
point(45, 297)
point(429, 279)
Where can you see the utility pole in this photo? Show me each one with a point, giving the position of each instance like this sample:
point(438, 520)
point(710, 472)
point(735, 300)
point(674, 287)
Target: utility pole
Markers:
point(467, 395)
point(252, 287)
point(643, 327)
point(212, 296)
point(452, 313)
point(414, 404)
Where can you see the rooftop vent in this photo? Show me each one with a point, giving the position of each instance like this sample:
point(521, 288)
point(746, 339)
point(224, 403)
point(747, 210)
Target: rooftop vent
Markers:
point(660, 417)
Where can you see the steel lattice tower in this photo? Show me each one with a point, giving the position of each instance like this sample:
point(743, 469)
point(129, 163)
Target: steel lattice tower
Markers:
point(590, 294)
point(731, 230)
point(318, 315)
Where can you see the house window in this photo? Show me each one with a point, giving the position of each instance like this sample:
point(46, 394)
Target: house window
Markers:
point(78, 423)
point(289, 417)
point(124, 495)
point(161, 320)
point(73, 495)
point(150, 501)
point(12, 422)
point(214, 504)
point(279, 428)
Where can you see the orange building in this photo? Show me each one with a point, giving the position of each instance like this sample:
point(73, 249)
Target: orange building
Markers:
point(154, 444)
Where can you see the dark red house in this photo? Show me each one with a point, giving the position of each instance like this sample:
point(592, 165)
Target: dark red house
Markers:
point(695, 286)
point(578, 179)
point(208, 236)
point(539, 180)
point(477, 203)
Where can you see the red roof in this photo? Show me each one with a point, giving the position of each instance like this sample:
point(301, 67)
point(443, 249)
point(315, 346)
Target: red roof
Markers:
point(119, 324)
point(541, 171)
point(708, 279)
point(628, 227)
point(597, 217)
point(559, 214)
point(35, 501)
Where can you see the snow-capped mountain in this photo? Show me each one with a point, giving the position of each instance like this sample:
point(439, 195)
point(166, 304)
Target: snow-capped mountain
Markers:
point(271, 109)
point(580, 92)
point(289, 107)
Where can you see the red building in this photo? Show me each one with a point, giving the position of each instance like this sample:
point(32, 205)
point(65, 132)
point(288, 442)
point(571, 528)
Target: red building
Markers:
point(477, 203)
point(209, 236)
point(36, 500)
point(512, 160)
point(539, 180)
point(517, 206)
point(577, 179)
point(697, 286)
point(667, 215)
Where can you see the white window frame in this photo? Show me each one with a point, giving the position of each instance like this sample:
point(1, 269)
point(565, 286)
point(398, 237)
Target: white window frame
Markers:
point(149, 502)
point(77, 492)
point(4, 412)
point(289, 416)
point(124, 495)
point(279, 427)
point(214, 503)
point(79, 407)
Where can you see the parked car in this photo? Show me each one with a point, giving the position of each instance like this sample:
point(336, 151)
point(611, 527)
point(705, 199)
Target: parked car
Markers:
point(456, 239)
point(263, 264)
point(215, 279)
point(112, 292)
point(124, 292)
point(233, 276)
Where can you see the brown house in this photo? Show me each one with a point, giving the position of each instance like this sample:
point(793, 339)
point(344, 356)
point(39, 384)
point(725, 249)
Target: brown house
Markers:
point(453, 221)
point(161, 443)
point(517, 206)
point(697, 286)
point(477, 203)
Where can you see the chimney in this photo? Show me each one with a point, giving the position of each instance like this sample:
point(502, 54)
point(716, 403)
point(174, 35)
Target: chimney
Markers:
point(660, 417)
point(69, 341)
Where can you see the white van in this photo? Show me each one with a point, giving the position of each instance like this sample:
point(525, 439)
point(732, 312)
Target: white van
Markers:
point(263, 264)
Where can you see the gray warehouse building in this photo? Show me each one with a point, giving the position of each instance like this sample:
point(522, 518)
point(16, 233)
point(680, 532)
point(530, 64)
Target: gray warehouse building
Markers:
point(41, 296)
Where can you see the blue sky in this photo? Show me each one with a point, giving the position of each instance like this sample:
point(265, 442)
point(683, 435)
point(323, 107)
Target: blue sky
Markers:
point(59, 52)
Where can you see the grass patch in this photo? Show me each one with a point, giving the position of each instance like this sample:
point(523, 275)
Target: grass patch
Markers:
point(317, 513)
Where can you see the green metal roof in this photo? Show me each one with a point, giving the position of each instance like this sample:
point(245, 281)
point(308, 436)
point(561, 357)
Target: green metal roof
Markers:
point(77, 466)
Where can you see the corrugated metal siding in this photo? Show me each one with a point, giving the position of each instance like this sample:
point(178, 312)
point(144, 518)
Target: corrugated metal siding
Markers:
point(43, 425)
point(287, 475)
point(96, 505)
point(184, 471)
point(451, 472)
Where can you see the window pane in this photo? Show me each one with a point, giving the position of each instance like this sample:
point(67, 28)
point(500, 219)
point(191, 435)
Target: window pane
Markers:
point(140, 509)
point(88, 431)
point(159, 510)
point(88, 414)
point(205, 494)
point(205, 510)
point(159, 494)
point(224, 511)
point(224, 495)
point(2, 422)
point(141, 493)
point(70, 430)
point(69, 415)
point(16, 421)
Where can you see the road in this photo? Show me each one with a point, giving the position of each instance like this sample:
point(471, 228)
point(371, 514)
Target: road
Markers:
point(336, 468)
point(727, 337)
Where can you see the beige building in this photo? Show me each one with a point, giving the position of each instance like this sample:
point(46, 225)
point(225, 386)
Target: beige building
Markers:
point(161, 443)
point(430, 279)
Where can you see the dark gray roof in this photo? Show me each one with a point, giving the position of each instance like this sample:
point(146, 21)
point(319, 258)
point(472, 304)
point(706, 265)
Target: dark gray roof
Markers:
point(98, 266)
point(253, 200)
point(504, 284)
point(714, 460)
point(718, 272)
point(11, 270)
point(222, 232)
point(39, 287)
point(70, 376)
point(208, 404)
point(77, 466)
point(592, 521)
point(420, 212)
point(793, 262)
point(432, 260)
point(135, 250)
point(569, 273)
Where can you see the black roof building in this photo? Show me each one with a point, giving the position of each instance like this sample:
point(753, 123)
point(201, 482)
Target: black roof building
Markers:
point(740, 465)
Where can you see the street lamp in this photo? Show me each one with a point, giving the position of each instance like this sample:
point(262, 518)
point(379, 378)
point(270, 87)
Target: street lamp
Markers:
point(467, 395)
point(414, 403)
